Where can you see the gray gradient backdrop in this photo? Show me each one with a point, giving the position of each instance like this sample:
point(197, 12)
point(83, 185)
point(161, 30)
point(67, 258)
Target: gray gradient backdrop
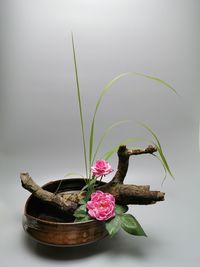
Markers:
point(40, 128)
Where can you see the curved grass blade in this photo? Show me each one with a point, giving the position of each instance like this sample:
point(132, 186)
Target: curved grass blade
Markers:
point(165, 170)
point(67, 175)
point(106, 132)
point(157, 80)
point(91, 183)
point(110, 153)
point(164, 161)
point(57, 189)
point(74, 174)
point(104, 91)
point(80, 106)
point(159, 148)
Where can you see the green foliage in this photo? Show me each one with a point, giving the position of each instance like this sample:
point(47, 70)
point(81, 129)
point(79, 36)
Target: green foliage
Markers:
point(112, 151)
point(83, 219)
point(119, 209)
point(82, 201)
point(106, 132)
point(89, 162)
point(81, 211)
point(113, 225)
point(165, 170)
point(81, 214)
point(80, 107)
point(125, 221)
point(162, 158)
point(103, 93)
point(131, 225)
point(156, 79)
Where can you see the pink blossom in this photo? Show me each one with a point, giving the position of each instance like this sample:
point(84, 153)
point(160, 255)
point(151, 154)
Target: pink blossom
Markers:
point(101, 167)
point(101, 206)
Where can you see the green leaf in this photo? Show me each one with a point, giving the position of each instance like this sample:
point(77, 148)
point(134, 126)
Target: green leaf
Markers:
point(90, 190)
point(119, 209)
point(85, 187)
point(83, 219)
point(82, 201)
point(90, 183)
point(80, 106)
point(131, 225)
point(80, 214)
point(113, 225)
point(82, 208)
point(159, 148)
point(81, 211)
point(106, 132)
point(110, 153)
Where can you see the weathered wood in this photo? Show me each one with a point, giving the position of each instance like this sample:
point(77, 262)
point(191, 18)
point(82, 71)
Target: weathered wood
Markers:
point(54, 199)
point(124, 194)
point(123, 155)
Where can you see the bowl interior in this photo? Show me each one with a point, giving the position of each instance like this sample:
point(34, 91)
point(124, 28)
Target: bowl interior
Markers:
point(44, 211)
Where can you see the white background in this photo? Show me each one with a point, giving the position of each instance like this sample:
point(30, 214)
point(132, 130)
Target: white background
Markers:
point(40, 128)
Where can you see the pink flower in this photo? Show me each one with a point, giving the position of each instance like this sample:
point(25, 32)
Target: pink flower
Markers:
point(101, 206)
point(101, 167)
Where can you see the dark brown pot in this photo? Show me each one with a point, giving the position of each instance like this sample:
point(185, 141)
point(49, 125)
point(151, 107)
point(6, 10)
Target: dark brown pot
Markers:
point(47, 225)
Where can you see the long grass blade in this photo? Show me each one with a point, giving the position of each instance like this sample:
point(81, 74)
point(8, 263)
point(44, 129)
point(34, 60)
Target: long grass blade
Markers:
point(164, 161)
point(110, 153)
point(80, 106)
point(156, 79)
point(159, 148)
point(106, 132)
point(57, 189)
point(104, 91)
point(165, 170)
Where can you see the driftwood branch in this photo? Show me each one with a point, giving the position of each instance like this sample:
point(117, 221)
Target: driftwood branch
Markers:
point(123, 155)
point(46, 196)
point(123, 193)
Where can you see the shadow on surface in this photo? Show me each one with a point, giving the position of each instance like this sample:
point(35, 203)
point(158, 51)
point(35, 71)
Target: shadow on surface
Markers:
point(121, 244)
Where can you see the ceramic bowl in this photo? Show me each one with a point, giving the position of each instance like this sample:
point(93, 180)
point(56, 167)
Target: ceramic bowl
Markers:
point(49, 226)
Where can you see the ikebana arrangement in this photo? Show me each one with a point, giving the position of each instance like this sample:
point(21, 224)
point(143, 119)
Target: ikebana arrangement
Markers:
point(80, 211)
